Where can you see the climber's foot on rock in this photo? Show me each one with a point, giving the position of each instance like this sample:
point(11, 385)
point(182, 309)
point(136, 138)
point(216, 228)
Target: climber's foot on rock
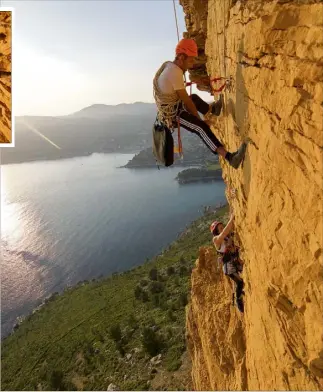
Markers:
point(238, 156)
point(216, 107)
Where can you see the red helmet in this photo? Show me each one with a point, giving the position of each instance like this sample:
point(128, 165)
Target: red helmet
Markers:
point(214, 225)
point(187, 46)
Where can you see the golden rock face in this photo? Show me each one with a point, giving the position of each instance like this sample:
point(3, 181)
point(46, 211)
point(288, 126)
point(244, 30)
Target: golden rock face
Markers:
point(274, 52)
point(5, 77)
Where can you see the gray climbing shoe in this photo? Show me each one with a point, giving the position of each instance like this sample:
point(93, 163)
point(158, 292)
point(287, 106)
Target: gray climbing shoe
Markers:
point(238, 156)
point(216, 107)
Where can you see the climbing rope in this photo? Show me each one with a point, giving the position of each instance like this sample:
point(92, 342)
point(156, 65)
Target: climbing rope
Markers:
point(176, 20)
point(228, 81)
point(168, 112)
point(225, 70)
point(167, 104)
point(179, 148)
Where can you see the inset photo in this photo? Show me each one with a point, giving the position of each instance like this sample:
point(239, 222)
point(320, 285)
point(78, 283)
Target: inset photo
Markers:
point(6, 118)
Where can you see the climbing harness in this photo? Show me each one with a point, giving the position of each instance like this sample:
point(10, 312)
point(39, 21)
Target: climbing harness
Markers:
point(228, 255)
point(168, 106)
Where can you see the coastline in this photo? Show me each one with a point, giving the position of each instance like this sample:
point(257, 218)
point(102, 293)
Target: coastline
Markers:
point(48, 299)
point(72, 333)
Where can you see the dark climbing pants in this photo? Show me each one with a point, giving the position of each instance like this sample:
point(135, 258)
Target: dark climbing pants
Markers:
point(197, 126)
point(239, 283)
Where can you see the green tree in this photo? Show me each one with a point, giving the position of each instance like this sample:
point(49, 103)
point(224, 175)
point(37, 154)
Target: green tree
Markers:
point(170, 315)
point(153, 274)
point(182, 270)
point(138, 292)
point(182, 300)
point(56, 380)
point(157, 287)
point(132, 321)
point(170, 270)
point(115, 332)
point(151, 342)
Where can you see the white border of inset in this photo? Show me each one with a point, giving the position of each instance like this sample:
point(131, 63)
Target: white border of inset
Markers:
point(13, 133)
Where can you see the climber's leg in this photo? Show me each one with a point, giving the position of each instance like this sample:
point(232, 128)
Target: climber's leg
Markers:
point(239, 290)
point(200, 128)
point(216, 107)
point(239, 283)
point(203, 107)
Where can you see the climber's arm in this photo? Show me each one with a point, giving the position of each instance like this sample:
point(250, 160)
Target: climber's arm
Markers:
point(227, 230)
point(189, 104)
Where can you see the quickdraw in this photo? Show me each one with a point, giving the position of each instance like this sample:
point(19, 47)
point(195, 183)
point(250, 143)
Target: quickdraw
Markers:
point(226, 85)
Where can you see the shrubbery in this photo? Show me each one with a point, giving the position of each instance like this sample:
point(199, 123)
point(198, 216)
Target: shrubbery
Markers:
point(182, 270)
point(170, 315)
point(56, 381)
point(115, 333)
point(141, 294)
point(156, 287)
point(170, 270)
point(151, 342)
point(182, 300)
point(153, 274)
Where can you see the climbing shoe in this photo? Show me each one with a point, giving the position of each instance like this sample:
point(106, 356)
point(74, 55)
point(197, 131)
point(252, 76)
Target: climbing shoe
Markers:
point(238, 156)
point(216, 107)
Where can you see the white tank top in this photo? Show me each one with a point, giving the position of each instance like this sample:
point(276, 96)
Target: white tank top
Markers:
point(223, 246)
point(171, 79)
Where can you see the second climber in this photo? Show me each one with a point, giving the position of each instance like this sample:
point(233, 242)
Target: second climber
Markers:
point(229, 255)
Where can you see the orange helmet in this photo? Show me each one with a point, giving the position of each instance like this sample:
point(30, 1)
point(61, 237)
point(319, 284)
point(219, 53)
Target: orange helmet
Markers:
point(214, 225)
point(187, 46)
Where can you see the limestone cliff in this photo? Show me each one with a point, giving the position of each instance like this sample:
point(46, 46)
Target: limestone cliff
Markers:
point(5, 77)
point(274, 52)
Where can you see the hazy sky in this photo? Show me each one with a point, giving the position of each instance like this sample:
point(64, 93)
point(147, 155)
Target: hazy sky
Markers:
point(71, 54)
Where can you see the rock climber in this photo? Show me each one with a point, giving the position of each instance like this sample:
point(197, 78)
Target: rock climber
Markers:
point(229, 252)
point(173, 102)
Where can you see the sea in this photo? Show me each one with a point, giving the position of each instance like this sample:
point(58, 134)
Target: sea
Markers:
point(77, 219)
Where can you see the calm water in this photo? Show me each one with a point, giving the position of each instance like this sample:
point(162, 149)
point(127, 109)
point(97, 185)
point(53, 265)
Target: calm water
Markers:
point(70, 220)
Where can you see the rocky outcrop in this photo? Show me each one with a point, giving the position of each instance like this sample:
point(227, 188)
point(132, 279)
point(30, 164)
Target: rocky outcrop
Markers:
point(274, 52)
point(215, 331)
point(196, 22)
point(5, 77)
